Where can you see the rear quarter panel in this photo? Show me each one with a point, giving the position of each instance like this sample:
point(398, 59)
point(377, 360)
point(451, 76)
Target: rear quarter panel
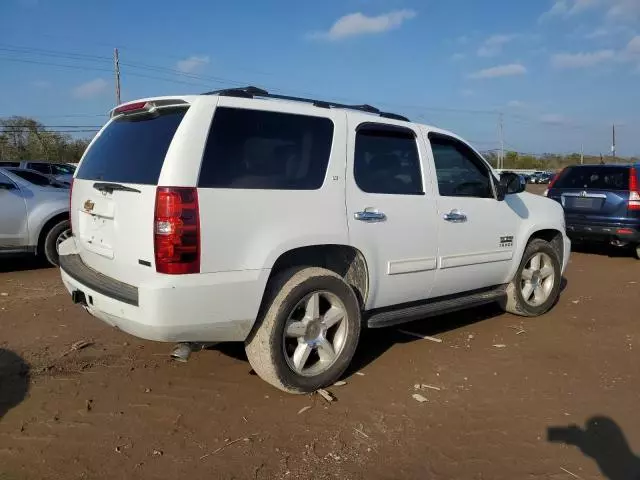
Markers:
point(249, 229)
point(42, 207)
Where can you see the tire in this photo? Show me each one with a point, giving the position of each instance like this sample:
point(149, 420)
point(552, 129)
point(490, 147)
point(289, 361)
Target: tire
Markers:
point(57, 233)
point(290, 301)
point(535, 304)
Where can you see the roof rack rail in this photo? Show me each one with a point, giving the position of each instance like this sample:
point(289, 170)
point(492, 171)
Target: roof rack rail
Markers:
point(251, 92)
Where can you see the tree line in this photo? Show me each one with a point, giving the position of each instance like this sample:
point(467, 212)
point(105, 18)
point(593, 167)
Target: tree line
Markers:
point(23, 138)
point(550, 161)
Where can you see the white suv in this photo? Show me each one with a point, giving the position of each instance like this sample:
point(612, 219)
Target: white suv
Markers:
point(291, 224)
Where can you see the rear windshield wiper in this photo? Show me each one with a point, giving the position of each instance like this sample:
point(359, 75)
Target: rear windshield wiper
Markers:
point(111, 187)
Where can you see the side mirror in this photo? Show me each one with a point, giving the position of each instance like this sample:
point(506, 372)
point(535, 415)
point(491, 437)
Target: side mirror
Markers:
point(7, 186)
point(510, 183)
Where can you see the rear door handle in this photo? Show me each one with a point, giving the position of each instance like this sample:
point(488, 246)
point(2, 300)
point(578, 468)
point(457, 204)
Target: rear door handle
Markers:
point(455, 216)
point(370, 216)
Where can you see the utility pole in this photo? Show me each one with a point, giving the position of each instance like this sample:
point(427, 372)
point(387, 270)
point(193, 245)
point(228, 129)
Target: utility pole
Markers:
point(613, 143)
point(116, 64)
point(582, 154)
point(501, 138)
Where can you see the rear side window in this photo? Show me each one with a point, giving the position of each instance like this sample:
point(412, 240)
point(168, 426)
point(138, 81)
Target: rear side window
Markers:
point(132, 148)
point(251, 149)
point(43, 168)
point(32, 177)
point(9, 164)
point(386, 161)
point(594, 177)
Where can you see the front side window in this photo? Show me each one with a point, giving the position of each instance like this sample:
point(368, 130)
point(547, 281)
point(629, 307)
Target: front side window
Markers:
point(386, 161)
point(460, 172)
point(253, 149)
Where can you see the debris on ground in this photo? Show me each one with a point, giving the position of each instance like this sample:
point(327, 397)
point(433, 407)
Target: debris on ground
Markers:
point(360, 374)
point(518, 328)
point(570, 473)
point(361, 432)
point(304, 409)
point(4, 294)
point(424, 386)
point(79, 345)
point(340, 383)
point(158, 453)
point(421, 336)
point(575, 301)
point(88, 405)
point(328, 396)
point(500, 345)
point(228, 444)
point(419, 398)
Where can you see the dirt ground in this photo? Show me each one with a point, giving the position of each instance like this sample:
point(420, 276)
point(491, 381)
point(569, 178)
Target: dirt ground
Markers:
point(120, 408)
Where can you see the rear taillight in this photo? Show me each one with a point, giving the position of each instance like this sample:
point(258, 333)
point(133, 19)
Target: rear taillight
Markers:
point(70, 206)
point(546, 192)
point(634, 192)
point(177, 230)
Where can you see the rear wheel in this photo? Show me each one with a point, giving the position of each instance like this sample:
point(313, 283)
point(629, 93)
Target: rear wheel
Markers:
point(536, 285)
point(308, 332)
point(57, 234)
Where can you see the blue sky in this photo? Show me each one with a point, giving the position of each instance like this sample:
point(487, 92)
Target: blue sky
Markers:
point(560, 71)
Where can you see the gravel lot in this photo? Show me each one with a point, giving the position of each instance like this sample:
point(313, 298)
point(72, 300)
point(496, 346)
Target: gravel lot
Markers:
point(120, 408)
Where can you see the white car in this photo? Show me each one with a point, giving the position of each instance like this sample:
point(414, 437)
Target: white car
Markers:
point(34, 213)
point(290, 224)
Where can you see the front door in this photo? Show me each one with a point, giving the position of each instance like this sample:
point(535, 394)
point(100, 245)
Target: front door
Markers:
point(13, 215)
point(391, 215)
point(476, 232)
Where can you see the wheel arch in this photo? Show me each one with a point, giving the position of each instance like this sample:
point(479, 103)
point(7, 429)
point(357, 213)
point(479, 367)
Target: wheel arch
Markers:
point(48, 225)
point(345, 260)
point(549, 234)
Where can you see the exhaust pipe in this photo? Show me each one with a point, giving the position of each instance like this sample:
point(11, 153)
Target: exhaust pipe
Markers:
point(182, 351)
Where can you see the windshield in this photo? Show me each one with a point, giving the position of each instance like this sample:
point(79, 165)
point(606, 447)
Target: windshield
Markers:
point(595, 178)
point(132, 148)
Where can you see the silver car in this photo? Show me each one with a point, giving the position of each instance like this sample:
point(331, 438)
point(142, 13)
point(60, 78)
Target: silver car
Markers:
point(62, 172)
point(34, 213)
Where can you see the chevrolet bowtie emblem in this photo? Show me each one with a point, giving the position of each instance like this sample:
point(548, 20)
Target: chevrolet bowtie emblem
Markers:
point(88, 205)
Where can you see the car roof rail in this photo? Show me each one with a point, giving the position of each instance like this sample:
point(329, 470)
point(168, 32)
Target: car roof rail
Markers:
point(252, 92)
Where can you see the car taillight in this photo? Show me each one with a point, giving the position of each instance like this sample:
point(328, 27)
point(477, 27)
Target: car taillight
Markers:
point(177, 230)
point(553, 180)
point(70, 208)
point(634, 193)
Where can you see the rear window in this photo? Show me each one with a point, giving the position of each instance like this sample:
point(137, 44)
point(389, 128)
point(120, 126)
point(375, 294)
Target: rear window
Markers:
point(251, 149)
point(132, 148)
point(594, 178)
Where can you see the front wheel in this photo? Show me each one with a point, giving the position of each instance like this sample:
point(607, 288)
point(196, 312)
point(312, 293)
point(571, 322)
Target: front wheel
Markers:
point(308, 331)
point(536, 285)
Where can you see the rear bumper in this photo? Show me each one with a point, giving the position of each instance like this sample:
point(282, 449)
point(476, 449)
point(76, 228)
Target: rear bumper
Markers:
point(214, 307)
point(599, 232)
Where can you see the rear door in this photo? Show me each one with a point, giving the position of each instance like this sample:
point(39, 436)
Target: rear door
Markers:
point(593, 194)
point(391, 216)
point(114, 191)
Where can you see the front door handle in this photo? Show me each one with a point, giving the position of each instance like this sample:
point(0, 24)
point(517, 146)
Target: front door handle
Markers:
point(455, 216)
point(370, 216)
